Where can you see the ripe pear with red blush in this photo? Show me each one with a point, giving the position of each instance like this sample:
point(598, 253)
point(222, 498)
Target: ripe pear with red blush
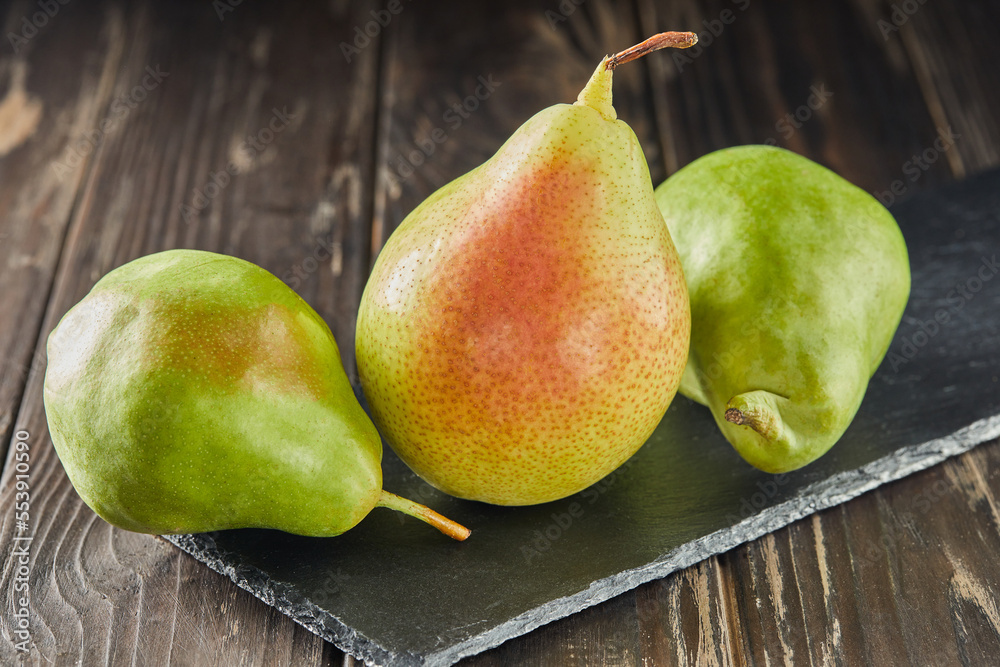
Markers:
point(525, 328)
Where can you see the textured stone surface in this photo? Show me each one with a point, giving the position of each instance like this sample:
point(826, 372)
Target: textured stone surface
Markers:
point(393, 591)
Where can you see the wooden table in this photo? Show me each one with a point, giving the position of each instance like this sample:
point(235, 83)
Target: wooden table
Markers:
point(284, 134)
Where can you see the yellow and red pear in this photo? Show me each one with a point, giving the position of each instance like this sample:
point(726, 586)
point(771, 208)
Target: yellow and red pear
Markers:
point(525, 328)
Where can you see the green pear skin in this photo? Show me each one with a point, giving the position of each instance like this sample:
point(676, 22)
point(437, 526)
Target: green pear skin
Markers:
point(525, 328)
point(798, 280)
point(191, 391)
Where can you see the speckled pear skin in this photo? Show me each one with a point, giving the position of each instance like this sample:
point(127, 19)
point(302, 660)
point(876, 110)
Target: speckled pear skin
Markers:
point(798, 281)
point(190, 392)
point(525, 328)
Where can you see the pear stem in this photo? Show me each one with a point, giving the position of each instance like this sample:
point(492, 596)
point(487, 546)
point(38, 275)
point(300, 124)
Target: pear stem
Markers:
point(453, 530)
point(677, 40)
point(735, 416)
point(761, 420)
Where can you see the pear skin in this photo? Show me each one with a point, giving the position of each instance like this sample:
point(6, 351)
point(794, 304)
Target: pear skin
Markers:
point(798, 280)
point(191, 392)
point(525, 328)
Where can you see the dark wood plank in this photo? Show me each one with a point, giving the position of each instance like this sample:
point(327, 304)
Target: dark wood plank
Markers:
point(879, 579)
point(228, 626)
point(770, 61)
point(45, 110)
point(903, 574)
point(683, 618)
point(606, 634)
point(947, 47)
point(100, 594)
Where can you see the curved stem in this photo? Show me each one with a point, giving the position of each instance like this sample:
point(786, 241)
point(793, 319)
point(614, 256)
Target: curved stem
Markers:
point(426, 514)
point(597, 93)
point(677, 40)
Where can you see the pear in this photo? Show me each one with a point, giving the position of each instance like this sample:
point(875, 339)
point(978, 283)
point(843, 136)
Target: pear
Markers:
point(192, 392)
point(798, 281)
point(525, 328)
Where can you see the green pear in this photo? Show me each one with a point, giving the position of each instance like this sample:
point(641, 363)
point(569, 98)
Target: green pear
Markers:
point(191, 392)
point(798, 280)
point(525, 328)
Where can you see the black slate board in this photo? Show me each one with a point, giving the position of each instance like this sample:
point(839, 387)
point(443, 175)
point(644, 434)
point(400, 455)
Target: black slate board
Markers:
point(393, 591)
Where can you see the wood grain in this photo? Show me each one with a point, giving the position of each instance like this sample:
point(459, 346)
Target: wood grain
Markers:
point(102, 595)
point(37, 197)
point(906, 574)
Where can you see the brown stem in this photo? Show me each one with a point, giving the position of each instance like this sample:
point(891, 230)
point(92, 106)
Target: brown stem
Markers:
point(450, 528)
point(677, 40)
point(734, 416)
point(760, 419)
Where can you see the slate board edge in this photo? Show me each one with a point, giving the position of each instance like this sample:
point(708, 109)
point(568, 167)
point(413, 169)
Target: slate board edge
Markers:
point(824, 494)
point(287, 600)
